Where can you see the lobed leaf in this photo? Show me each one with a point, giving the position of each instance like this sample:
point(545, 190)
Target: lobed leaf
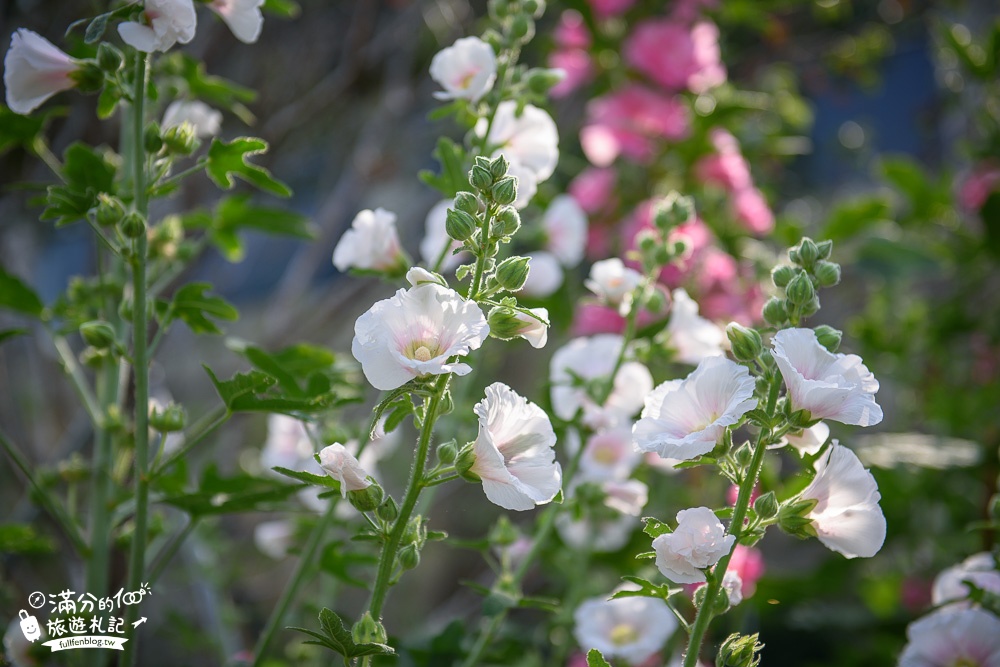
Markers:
point(229, 160)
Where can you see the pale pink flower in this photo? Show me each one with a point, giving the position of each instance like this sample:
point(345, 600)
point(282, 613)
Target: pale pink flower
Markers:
point(35, 70)
point(577, 66)
point(677, 56)
point(531, 139)
point(605, 9)
point(287, 445)
point(830, 386)
point(466, 69)
point(594, 189)
point(418, 276)
point(205, 120)
point(273, 538)
point(978, 186)
point(953, 638)
point(372, 243)
point(709, 71)
point(571, 32)
point(535, 330)
point(726, 167)
point(612, 281)
point(630, 629)
point(436, 240)
point(751, 209)
point(628, 496)
point(597, 534)
point(609, 454)
point(630, 122)
point(514, 451)
point(594, 318)
point(565, 226)
point(415, 333)
point(748, 563)
point(341, 465)
point(698, 542)
point(847, 517)
point(163, 24)
point(688, 11)
point(545, 276)
point(690, 335)
point(980, 569)
point(243, 17)
point(684, 419)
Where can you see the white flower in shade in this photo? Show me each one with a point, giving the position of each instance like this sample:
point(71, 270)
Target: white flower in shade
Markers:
point(243, 17)
point(531, 139)
point(545, 276)
point(626, 496)
point(565, 225)
point(609, 454)
point(830, 386)
point(205, 120)
point(287, 445)
point(35, 70)
point(341, 465)
point(698, 542)
point(612, 281)
point(436, 242)
point(272, 538)
point(684, 419)
point(514, 450)
point(371, 243)
point(847, 517)
point(732, 584)
point(980, 569)
point(953, 638)
point(527, 183)
point(535, 330)
point(589, 360)
point(691, 336)
point(808, 441)
point(164, 23)
point(601, 535)
point(466, 69)
point(416, 332)
point(631, 629)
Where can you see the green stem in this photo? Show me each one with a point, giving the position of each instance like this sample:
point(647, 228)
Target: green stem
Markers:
point(78, 379)
point(166, 554)
point(714, 585)
point(181, 175)
point(100, 489)
point(484, 245)
point(203, 428)
point(140, 325)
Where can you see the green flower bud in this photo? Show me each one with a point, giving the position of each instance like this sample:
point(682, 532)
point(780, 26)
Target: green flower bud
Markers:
point(743, 455)
point(459, 224)
point(656, 301)
point(800, 290)
point(499, 8)
point(504, 323)
point(513, 272)
point(766, 506)
point(499, 167)
point(151, 139)
point(447, 452)
point(409, 556)
point(827, 273)
point(133, 225)
point(825, 249)
point(699, 596)
point(503, 533)
point(782, 275)
point(110, 210)
point(746, 343)
point(181, 139)
point(91, 357)
point(125, 310)
point(828, 337)
point(98, 333)
point(675, 209)
point(647, 241)
point(368, 630)
point(793, 254)
point(801, 419)
point(388, 510)
point(463, 464)
point(661, 256)
point(505, 191)
point(740, 651)
point(109, 58)
point(508, 221)
point(88, 77)
point(811, 308)
point(808, 252)
point(481, 178)
point(542, 80)
point(167, 419)
point(467, 202)
point(522, 28)
point(792, 517)
point(367, 499)
point(774, 311)
point(534, 7)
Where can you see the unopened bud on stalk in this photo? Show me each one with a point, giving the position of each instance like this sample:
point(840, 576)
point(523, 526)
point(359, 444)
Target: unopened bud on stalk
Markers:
point(468, 202)
point(110, 210)
point(459, 224)
point(167, 419)
point(740, 651)
point(512, 273)
point(766, 506)
point(828, 337)
point(782, 275)
point(808, 252)
point(181, 139)
point(368, 498)
point(541, 80)
point(133, 225)
point(522, 28)
point(388, 510)
point(746, 343)
point(447, 452)
point(409, 556)
point(508, 221)
point(98, 333)
point(368, 630)
point(109, 58)
point(800, 290)
point(481, 178)
point(505, 191)
point(463, 464)
point(499, 167)
point(827, 273)
point(151, 139)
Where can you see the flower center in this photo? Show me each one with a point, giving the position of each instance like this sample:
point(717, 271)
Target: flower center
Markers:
point(965, 662)
point(623, 633)
point(422, 350)
point(605, 453)
point(465, 80)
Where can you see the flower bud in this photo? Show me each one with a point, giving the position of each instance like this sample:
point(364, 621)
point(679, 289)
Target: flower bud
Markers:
point(88, 77)
point(792, 517)
point(459, 224)
point(811, 308)
point(534, 7)
point(409, 556)
point(368, 630)
point(503, 533)
point(110, 210)
point(463, 464)
point(825, 249)
point(98, 333)
point(801, 419)
point(740, 651)
point(743, 455)
point(109, 58)
point(151, 139)
point(513, 272)
point(504, 323)
point(647, 241)
point(808, 252)
point(541, 80)
point(656, 301)
point(782, 275)
point(508, 221)
point(774, 311)
point(499, 167)
point(766, 506)
point(499, 8)
point(468, 202)
point(481, 178)
point(800, 290)
point(522, 28)
point(674, 210)
point(125, 309)
point(505, 191)
point(827, 273)
point(746, 343)
point(133, 225)
point(828, 337)
point(388, 510)
point(368, 498)
point(91, 357)
point(447, 452)
point(167, 419)
point(181, 139)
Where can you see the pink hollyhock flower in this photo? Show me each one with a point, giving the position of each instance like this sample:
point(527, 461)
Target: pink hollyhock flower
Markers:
point(565, 225)
point(677, 56)
point(341, 465)
point(612, 281)
point(577, 66)
point(689, 11)
point(571, 32)
point(733, 494)
point(978, 185)
point(727, 170)
point(953, 638)
point(593, 318)
point(748, 563)
point(35, 69)
point(629, 122)
point(594, 189)
point(372, 243)
point(751, 209)
point(980, 569)
point(605, 9)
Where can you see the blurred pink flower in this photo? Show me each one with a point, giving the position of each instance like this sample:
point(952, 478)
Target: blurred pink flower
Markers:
point(749, 564)
point(751, 209)
point(593, 189)
point(677, 56)
point(571, 31)
point(733, 492)
point(689, 11)
point(978, 185)
point(604, 9)
point(594, 318)
point(628, 122)
point(695, 233)
point(578, 67)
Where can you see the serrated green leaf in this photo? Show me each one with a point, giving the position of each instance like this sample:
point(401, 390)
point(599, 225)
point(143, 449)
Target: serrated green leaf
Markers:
point(216, 494)
point(17, 130)
point(309, 478)
point(234, 214)
point(17, 296)
point(647, 589)
point(192, 306)
point(654, 527)
point(269, 365)
point(86, 173)
point(337, 637)
point(226, 160)
point(241, 384)
point(595, 659)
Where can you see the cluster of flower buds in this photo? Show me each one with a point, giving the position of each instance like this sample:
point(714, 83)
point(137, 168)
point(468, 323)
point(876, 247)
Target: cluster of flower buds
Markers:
point(800, 282)
point(655, 248)
point(515, 18)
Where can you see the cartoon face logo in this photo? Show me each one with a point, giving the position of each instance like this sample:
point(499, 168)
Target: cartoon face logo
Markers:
point(29, 626)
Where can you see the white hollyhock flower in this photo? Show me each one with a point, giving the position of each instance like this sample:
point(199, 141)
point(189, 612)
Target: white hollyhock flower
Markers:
point(35, 69)
point(466, 69)
point(565, 225)
point(416, 332)
point(626, 496)
point(243, 17)
point(600, 535)
point(980, 569)
point(436, 240)
point(684, 419)
point(698, 542)
point(953, 638)
point(164, 23)
point(341, 465)
point(847, 517)
point(830, 386)
point(592, 359)
point(630, 629)
point(273, 538)
point(545, 276)
point(690, 335)
point(287, 445)
point(612, 281)
point(531, 139)
point(372, 242)
point(535, 330)
point(205, 120)
point(514, 451)
point(732, 584)
point(418, 276)
point(609, 454)
point(808, 441)
point(527, 183)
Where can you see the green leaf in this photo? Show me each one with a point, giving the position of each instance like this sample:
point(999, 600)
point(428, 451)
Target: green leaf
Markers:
point(86, 173)
point(852, 217)
point(17, 296)
point(647, 589)
point(453, 178)
point(285, 9)
point(17, 130)
point(241, 385)
point(337, 637)
point(21, 538)
point(654, 527)
point(248, 392)
point(338, 561)
point(236, 213)
point(595, 659)
point(226, 160)
point(216, 494)
point(193, 307)
point(309, 478)
point(269, 365)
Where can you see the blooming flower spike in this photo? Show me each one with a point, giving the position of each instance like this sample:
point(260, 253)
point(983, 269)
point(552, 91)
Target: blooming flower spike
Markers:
point(163, 24)
point(35, 70)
